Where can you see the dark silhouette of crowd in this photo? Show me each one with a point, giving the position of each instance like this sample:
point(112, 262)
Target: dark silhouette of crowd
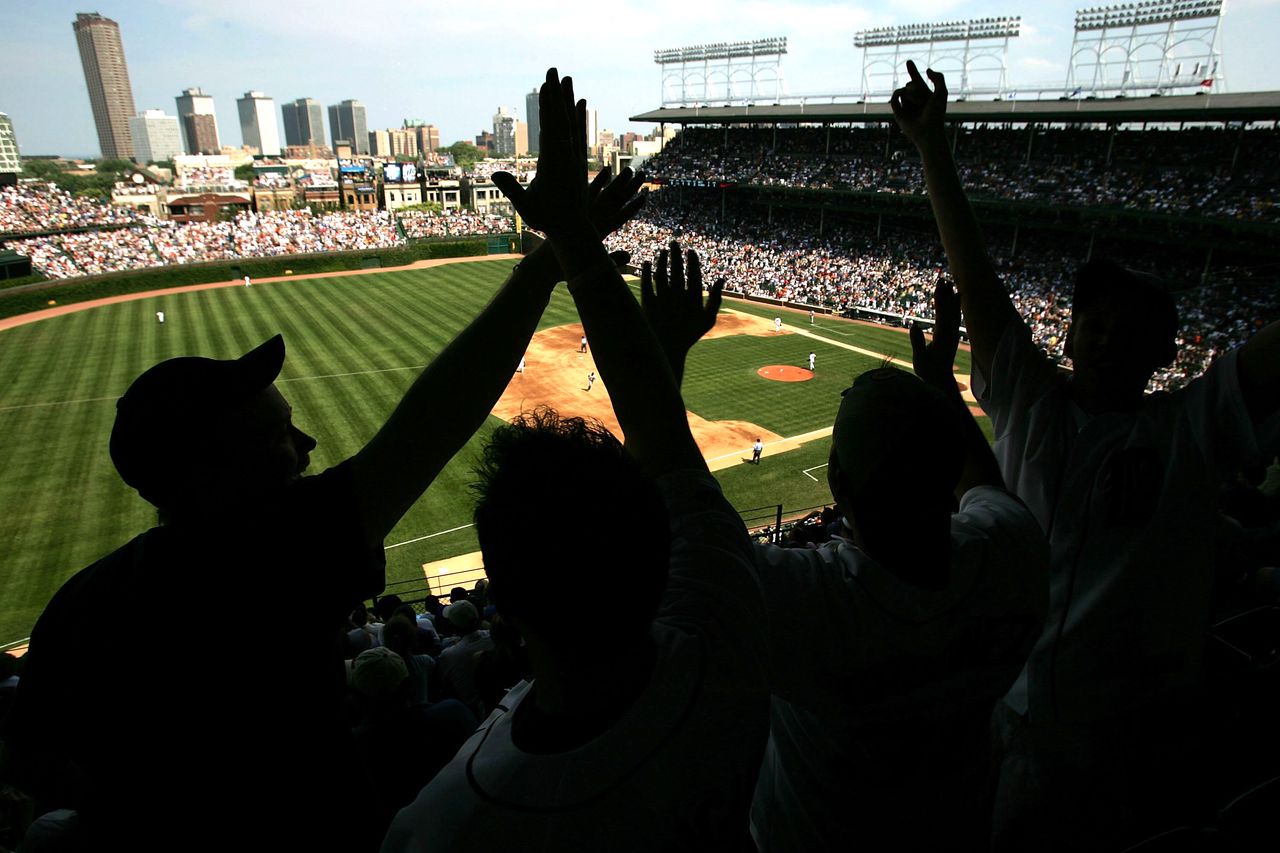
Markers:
point(973, 646)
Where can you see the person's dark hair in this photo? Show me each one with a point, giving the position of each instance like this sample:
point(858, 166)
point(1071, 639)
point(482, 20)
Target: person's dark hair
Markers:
point(399, 633)
point(360, 616)
point(457, 594)
point(563, 506)
point(386, 606)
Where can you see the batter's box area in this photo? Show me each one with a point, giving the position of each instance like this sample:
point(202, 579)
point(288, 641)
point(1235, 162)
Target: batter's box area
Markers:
point(785, 373)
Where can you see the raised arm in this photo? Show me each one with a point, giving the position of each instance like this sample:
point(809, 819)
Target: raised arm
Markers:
point(935, 364)
point(455, 393)
point(644, 394)
point(987, 307)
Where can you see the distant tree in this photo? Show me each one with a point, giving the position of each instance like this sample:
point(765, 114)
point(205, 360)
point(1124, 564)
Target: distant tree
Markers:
point(114, 167)
point(245, 172)
point(464, 153)
point(42, 170)
point(426, 207)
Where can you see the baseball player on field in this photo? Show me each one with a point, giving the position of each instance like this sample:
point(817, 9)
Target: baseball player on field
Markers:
point(812, 357)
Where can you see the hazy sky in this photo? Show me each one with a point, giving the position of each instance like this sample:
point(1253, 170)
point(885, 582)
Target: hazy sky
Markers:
point(454, 64)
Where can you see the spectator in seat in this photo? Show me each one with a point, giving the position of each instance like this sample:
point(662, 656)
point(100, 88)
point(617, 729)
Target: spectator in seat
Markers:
point(1101, 732)
point(458, 661)
point(400, 635)
point(644, 733)
point(402, 742)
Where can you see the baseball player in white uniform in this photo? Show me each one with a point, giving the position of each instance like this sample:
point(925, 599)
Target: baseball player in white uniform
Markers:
point(777, 324)
point(160, 317)
point(812, 357)
point(591, 380)
point(246, 281)
point(520, 369)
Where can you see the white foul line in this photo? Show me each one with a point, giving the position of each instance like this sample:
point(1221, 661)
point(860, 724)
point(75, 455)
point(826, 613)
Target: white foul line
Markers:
point(814, 468)
point(429, 536)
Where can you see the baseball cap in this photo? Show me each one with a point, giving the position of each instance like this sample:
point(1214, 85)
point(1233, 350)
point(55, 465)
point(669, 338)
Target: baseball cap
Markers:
point(378, 672)
point(894, 428)
point(463, 614)
point(1103, 277)
point(181, 397)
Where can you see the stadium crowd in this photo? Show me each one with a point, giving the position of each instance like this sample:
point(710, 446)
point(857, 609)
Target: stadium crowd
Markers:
point(1189, 172)
point(850, 272)
point(45, 207)
point(249, 235)
point(974, 646)
point(453, 223)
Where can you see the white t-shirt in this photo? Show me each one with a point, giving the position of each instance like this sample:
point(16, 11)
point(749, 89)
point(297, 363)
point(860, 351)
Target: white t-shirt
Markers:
point(458, 667)
point(677, 770)
point(883, 688)
point(1129, 503)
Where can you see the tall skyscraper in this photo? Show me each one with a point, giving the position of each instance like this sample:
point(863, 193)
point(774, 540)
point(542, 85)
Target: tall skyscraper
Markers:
point(504, 133)
point(522, 137)
point(202, 130)
point(379, 143)
point(535, 126)
point(258, 126)
point(156, 136)
point(593, 129)
point(404, 142)
point(10, 160)
point(347, 121)
point(303, 122)
point(428, 135)
point(107, 78)
point(199, 123)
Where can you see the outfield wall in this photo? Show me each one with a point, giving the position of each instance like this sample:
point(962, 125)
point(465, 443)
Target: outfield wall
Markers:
point(34, 297)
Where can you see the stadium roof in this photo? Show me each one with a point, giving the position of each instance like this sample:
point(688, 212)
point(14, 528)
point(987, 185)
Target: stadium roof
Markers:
point(1250, 106)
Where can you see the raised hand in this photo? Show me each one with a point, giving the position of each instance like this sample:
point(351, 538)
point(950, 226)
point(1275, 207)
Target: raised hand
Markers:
point(918, 110)
point(671, 299)
point(935, 362)
point(556, 201)
point(613, 201)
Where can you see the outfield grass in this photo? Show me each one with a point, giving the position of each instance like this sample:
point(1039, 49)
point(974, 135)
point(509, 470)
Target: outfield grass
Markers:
point(355, 344)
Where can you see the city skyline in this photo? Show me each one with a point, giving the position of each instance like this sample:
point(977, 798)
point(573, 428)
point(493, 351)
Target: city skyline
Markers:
point(234, 47)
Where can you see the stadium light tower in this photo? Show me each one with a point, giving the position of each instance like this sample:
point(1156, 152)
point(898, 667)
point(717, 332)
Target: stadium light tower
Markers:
point(965, 50)
point(1155, 46)
point(722, 72)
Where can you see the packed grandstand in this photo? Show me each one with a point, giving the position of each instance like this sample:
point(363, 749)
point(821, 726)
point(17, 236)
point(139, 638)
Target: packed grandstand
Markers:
point(835, 262)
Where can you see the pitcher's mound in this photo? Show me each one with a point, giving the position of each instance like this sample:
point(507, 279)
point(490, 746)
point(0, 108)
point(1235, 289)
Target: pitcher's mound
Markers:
point(785, 373)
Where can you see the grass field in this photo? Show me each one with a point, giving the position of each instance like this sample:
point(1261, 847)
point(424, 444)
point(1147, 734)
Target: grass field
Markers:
point(355, 344)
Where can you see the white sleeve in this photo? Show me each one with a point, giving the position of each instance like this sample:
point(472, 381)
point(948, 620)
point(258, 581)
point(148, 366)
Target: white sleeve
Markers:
point(1214, 408)
point(1015, 535)
point(1020, 375)
point(711, 590)
point(818, 634)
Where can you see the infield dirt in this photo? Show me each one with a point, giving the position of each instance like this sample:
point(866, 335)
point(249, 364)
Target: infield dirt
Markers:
point(556, 375)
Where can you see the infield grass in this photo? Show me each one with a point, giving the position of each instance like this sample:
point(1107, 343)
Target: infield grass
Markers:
point(355, 343)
